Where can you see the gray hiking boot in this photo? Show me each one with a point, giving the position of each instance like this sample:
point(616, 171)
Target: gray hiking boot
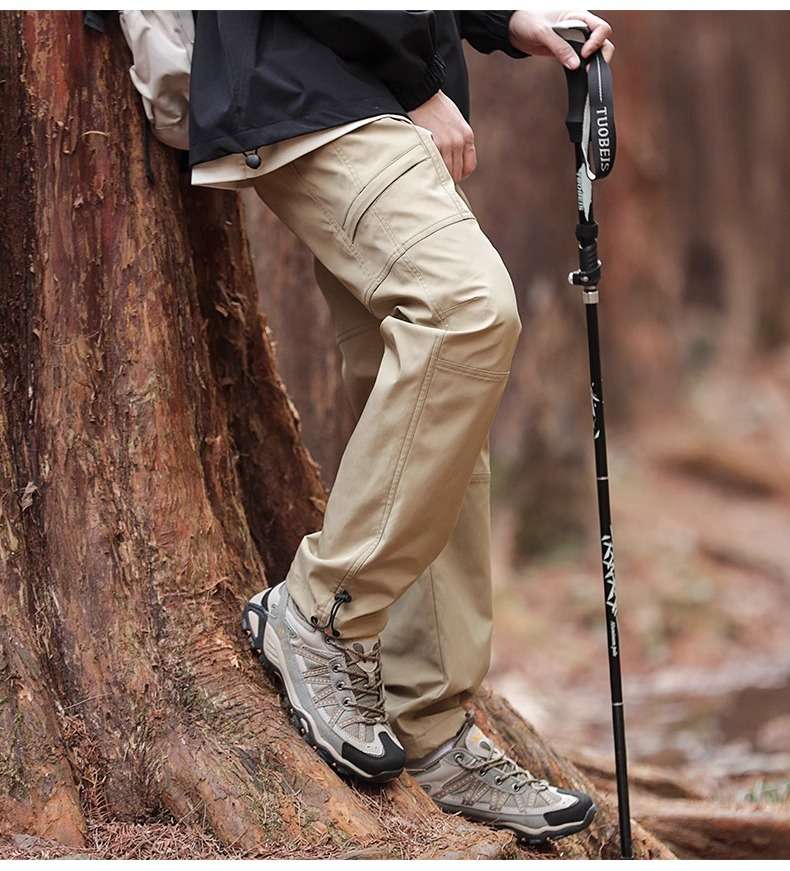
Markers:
point(470, 776)
point(332, 687)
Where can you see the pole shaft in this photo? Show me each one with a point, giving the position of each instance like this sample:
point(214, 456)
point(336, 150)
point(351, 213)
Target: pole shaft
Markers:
point(609, 581)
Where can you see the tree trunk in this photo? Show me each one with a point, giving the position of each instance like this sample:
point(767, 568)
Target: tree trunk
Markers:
point(304, 336)
point(153, 476)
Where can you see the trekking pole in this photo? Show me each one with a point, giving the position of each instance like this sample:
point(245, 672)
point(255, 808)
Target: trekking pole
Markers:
point(590, 124)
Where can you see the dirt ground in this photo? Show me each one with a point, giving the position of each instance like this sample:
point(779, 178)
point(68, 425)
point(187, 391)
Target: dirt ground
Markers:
point(701, 500)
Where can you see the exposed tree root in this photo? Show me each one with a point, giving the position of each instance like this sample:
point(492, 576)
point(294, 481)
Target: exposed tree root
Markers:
point(38, 793)
point(704, 830)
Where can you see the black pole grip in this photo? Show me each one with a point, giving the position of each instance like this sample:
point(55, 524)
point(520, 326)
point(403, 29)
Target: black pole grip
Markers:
point(577, 97)
point(575, 33)
point(591, 82)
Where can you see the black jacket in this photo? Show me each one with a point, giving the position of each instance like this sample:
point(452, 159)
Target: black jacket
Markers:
point(261, 77)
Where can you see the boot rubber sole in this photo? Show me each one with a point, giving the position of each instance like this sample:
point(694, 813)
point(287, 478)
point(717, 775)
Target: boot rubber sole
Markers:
point(536, 839)
point(532, 838)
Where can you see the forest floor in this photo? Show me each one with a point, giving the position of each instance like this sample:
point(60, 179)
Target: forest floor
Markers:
point(701, 501)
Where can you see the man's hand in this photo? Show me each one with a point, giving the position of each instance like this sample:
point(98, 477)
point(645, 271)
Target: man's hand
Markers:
point(453, 136)
point(531, 32)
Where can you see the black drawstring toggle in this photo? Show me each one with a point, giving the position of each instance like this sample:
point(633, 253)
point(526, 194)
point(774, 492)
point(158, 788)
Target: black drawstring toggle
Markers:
point(341, 598)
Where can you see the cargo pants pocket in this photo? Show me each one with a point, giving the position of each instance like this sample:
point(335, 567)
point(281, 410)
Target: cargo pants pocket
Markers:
point(410, 198)
point(377, 185)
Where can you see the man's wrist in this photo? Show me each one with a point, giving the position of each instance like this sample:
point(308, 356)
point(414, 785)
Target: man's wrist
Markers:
point(416, 93)
point(512, 32)
point(511, 29)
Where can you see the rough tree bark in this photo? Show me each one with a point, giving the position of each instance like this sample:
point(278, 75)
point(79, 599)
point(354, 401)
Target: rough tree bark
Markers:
point(152, 477)
point(299, 319)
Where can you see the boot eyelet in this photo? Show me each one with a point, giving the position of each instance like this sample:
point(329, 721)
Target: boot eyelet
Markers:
point(459, 757)
point(346, 702)
point(498, 781)
point(340, 686)
point(516, 787)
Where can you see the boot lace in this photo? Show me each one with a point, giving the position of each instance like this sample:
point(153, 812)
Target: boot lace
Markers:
point(507, 770)
point(367, 688)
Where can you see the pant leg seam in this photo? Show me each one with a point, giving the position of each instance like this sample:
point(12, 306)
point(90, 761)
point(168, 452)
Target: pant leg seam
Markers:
point(403, 454)
point(452, 308)
point(412, 267)
point(472, 371)
point(401, 249)
point(359, 185)
point(330, 218)
point(439, 650)
point(408, 440)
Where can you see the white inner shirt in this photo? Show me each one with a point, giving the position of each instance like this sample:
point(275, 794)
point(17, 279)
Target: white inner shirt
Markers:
point(231, 172)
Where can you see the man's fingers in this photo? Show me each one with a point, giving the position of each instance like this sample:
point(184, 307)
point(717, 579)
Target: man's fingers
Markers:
point(608, 51)
point(448, 155)
point(454, 162)
point(445, 155)
point(470, 160)
point(560, 49)
point(452, 136)
point(459, 155)
point(458, 163)
point(600, 31)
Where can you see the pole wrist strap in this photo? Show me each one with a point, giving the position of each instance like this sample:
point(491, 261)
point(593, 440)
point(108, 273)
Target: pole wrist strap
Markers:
point(600, 111)
point(590, 119)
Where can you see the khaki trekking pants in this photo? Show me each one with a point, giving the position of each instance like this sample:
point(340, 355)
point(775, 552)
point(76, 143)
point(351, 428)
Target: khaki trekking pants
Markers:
point(426, 322)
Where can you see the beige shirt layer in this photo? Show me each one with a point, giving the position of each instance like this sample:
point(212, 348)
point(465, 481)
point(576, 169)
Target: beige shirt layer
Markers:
point(231, 172)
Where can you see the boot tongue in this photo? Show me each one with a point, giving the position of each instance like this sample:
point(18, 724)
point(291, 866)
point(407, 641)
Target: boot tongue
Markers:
point(481, 746)
point(477, 743)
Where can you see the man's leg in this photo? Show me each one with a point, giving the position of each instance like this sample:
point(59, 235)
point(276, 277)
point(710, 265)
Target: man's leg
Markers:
point(436, 647)
point(379, 209)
